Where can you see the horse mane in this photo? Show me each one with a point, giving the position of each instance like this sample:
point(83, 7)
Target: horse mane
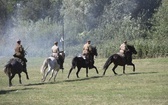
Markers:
point(130, 45)
point(93, 47)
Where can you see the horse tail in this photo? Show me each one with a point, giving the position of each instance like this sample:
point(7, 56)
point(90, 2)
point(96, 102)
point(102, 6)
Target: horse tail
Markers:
point(108, 62)
point(74, 62)
point(45, 65)
point(7, 68)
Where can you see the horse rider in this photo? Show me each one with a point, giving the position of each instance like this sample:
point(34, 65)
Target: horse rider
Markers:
point(124, 49)
point(55, 53)
point(87, 48)
point(20, 52)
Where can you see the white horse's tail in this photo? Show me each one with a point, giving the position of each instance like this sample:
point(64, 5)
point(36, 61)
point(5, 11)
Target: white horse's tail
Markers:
point(44, 66)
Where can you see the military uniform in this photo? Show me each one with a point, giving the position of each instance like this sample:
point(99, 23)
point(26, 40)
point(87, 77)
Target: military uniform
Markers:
point(123, 51)
point(20, 52)
point(55, 51)
point(123, 48)
point(86, 48)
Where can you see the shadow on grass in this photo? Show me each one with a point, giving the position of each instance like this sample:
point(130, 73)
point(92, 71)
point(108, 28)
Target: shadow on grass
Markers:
point(35, 84)
point(12, 90)
point(57, 82)
point(136, 73)
point(83, 79)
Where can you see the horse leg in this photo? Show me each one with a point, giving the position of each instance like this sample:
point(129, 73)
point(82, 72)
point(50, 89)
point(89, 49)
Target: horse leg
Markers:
point(115, 66)
point(26, 74)
point(55, 75)
point(96, 69)
point(51, 75)
point(86, 71)
point(124, 69)
point(132, 65)
point(10, 79)
point(20, 81)
point(104, 72)
point(78, 72)
point(45, 76)
point(70, 72)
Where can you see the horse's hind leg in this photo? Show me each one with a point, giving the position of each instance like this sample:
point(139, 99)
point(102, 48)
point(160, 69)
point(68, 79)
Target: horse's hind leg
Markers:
point(78, 72)
point(115, 66)
point(20, 81)
point(51, 75)
point(123, 69)
point(10, 79)
point(45, 76)
point(55, 75)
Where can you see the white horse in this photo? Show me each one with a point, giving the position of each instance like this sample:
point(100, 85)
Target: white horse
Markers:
point(52, 65)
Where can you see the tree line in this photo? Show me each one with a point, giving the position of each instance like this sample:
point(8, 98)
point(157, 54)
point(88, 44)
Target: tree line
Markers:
point(107, 23)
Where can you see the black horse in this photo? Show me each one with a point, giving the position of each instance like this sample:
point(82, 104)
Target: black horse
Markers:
point(13, 67)
point(120, 60)
point(80, 62)
point(61, 59)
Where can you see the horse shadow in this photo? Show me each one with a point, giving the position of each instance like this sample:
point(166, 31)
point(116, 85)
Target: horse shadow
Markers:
point(35, 84)
point(12, 90)
point(83, 79)
point(134, 73)
point(137, 73)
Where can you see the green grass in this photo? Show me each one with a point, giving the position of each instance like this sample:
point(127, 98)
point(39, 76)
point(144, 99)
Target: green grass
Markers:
point(148, 85)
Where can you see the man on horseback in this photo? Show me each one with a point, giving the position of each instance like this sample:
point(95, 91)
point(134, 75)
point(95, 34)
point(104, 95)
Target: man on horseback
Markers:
point(87, 49)
point(20, 52)
point(124, 49)
point(55, 53)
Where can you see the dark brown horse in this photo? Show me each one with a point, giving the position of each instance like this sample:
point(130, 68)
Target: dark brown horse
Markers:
point(80, 62)
point(13, 67)
point(120, 60)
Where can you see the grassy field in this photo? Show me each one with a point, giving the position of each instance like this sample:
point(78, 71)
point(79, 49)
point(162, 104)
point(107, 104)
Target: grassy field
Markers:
point(148, 85)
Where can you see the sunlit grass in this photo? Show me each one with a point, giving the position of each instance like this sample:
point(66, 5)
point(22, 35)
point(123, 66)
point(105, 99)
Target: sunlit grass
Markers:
point(147, 86)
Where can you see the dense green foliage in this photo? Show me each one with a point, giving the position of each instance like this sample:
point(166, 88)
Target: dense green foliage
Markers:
point(107, 23)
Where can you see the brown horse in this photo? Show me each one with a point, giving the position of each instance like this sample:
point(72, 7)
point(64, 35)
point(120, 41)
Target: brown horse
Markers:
point(117, 59)
point(13, 67)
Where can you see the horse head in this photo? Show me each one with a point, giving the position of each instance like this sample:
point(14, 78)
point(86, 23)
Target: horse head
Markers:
point(132, 49)
point(94, 51)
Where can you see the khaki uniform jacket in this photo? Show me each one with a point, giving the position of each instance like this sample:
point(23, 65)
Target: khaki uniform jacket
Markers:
point(55, 51)
point(19, 50)
point(86, 48)
point(123, 48)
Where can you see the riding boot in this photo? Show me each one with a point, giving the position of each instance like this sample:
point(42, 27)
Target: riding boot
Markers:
point(58, 61)
point(61, 66)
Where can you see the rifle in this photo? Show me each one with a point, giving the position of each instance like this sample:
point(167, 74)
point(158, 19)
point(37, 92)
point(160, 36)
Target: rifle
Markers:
point(25, 50)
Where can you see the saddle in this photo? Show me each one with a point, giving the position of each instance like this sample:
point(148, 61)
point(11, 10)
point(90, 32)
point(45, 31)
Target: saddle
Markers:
point(121, 54)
